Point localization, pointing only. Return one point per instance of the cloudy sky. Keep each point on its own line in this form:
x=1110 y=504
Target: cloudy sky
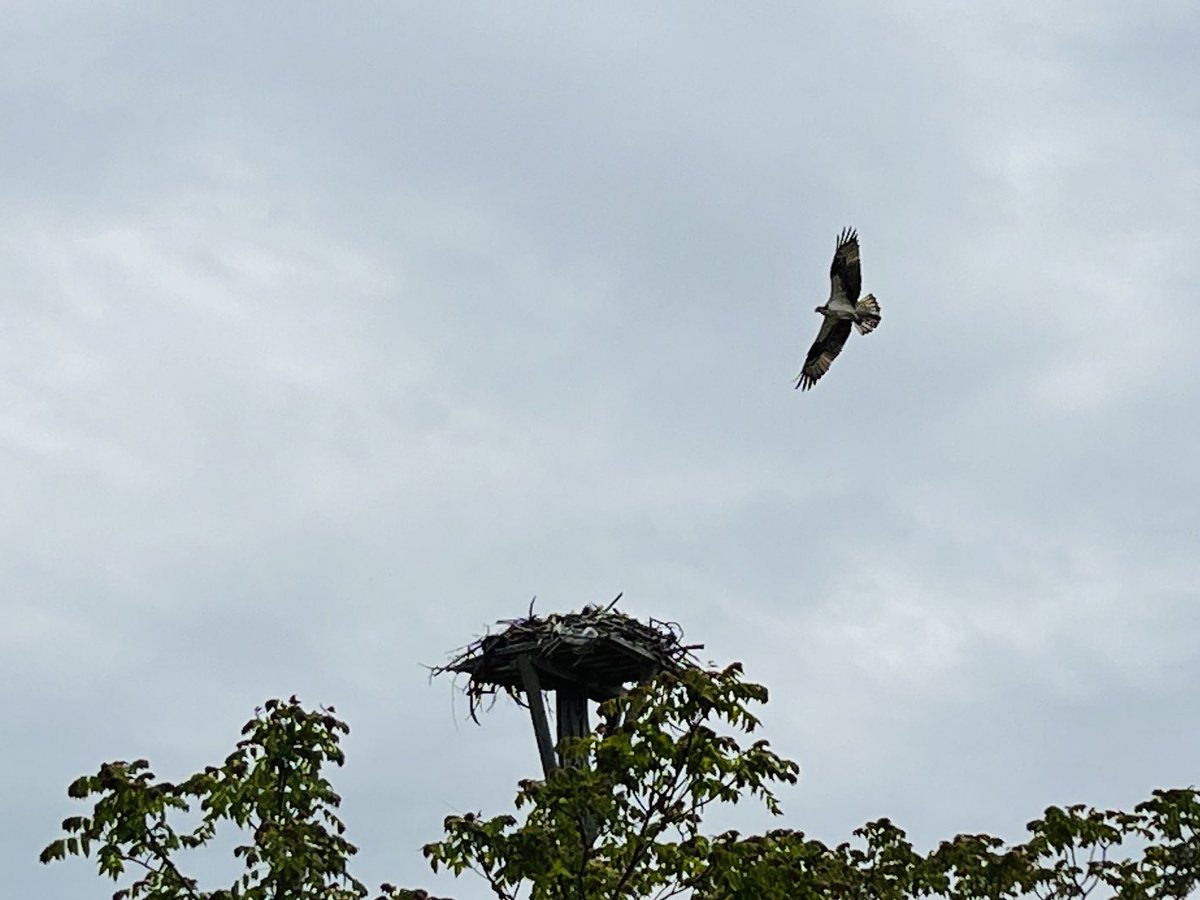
x=333 y=333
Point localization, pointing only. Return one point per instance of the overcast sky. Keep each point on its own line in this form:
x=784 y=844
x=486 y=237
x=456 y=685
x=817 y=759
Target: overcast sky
x=333 y=333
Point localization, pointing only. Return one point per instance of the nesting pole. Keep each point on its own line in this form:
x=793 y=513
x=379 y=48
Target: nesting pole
x=588 y=656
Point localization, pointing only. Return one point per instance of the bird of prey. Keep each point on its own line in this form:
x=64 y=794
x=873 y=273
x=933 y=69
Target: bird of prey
x=841 y=310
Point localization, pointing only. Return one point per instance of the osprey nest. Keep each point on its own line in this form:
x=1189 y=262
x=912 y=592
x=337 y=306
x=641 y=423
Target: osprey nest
x=594 y=652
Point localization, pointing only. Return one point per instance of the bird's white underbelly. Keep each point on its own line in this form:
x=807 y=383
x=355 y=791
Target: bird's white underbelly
x=838 y=312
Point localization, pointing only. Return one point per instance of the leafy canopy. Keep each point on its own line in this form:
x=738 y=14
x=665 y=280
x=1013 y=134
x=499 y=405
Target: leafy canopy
x=622 y=820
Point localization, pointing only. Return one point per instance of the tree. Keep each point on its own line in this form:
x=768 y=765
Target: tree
x=624 y=821
x=272 y=786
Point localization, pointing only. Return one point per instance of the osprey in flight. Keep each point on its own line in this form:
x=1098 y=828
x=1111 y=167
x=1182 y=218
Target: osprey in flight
x=841 y=310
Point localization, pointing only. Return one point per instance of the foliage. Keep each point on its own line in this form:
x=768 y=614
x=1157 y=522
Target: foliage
x=622 y=821
x=625 y=821
x=271 y=786
x=1066 y=856
x=627 y=825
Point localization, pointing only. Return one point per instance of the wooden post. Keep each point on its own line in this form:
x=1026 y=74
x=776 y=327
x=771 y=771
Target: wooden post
x=537 y=712
x=571 y=711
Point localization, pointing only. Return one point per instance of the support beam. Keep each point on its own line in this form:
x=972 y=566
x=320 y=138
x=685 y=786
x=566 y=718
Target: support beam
x=537 y=712
x=571 y=711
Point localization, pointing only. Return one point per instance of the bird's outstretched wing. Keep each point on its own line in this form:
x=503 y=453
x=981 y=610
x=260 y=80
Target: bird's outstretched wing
x=845 y=276
x=830 y=340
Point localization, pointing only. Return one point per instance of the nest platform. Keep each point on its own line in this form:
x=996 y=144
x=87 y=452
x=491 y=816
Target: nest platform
x=592 y=653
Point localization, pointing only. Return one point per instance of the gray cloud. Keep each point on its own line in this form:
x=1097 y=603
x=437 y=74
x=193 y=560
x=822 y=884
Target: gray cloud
x=331 y=338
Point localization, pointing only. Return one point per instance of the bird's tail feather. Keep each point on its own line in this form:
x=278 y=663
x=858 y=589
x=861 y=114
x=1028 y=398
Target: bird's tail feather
x=866 y=314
